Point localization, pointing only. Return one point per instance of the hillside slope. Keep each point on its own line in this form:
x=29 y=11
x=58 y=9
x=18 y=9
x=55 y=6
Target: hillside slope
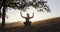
x=49 y=25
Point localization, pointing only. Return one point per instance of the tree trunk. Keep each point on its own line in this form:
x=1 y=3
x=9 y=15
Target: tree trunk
x=3 y=15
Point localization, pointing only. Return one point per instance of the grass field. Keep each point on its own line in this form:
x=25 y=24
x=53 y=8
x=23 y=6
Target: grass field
x=49 y=25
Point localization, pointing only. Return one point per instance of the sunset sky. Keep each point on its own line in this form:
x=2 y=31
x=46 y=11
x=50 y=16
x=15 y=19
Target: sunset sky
x=54 y=5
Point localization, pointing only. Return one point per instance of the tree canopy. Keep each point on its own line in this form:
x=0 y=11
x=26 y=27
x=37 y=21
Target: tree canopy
x=21 y=4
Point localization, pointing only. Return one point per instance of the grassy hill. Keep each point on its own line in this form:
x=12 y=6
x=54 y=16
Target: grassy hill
x=52 y=21
x=15 y=24
x=49 y=25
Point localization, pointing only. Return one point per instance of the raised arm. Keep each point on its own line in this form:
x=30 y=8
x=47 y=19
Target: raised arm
x=21 y=15
x=32 y=15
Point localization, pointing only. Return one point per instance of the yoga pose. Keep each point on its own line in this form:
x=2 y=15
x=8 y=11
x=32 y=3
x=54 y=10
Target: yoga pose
x=27 y=18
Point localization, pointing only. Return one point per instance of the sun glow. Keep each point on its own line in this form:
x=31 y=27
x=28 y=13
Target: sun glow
x=30 y=10
x=37 y=15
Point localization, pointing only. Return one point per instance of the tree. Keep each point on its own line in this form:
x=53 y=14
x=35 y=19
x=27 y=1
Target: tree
x=20 y=4
x=3 y=4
